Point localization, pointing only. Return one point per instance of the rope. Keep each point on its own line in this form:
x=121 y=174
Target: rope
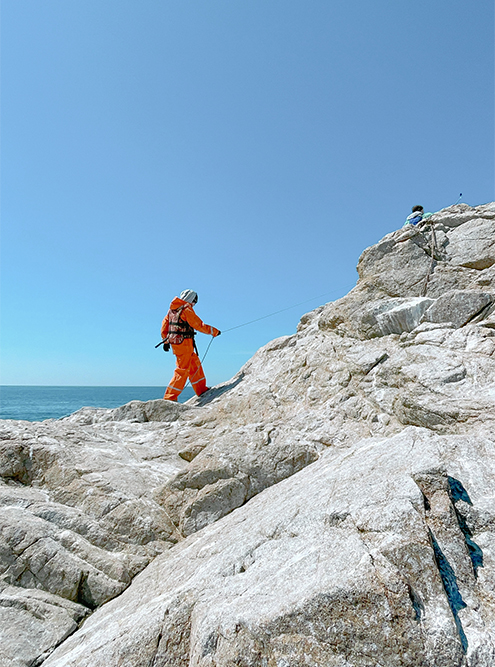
x=283 y=310
x=265 y=316
x=433 y=249
x=258 y=319
x=262 y=318
x=204 y=355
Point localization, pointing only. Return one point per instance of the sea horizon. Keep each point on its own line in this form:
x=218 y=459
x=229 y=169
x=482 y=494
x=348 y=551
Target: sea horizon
x=41 y=402
x=80 y=385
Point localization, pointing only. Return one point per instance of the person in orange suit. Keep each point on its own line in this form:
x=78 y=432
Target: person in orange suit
x=178 y=329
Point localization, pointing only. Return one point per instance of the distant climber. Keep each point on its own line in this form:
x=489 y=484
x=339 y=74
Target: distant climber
x=418 y=215
x=178 y=330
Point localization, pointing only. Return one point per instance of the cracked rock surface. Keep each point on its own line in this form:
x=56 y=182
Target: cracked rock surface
x=371 y=555
x=333 y=504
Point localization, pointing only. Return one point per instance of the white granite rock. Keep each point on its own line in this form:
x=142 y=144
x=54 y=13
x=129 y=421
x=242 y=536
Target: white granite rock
x=332 y=504
x=459 y=307
x=32 y=622
x=404 y=317
x=379 y=554
x=473 y=244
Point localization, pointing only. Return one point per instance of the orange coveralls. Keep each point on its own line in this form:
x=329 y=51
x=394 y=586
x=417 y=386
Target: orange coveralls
x=188 y=365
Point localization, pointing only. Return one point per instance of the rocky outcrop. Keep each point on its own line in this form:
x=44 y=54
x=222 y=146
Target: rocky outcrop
x=375 y=554
x=330 y=505
x=455 y=252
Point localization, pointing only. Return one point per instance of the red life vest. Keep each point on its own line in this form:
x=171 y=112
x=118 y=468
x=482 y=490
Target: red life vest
x=177 y=328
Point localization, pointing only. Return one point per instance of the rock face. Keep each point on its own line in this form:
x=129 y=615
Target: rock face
x=333 y=504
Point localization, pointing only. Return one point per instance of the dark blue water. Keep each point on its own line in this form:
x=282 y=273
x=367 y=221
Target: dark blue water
x=38 y=403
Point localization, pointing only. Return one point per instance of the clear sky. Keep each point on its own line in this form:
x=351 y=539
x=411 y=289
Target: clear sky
x=246 y=149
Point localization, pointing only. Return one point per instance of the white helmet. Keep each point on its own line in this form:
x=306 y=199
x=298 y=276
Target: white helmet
x=189 y=295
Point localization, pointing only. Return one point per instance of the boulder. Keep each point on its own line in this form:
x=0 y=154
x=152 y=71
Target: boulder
x=460 y=214
x=403 y=317
x=32 y=622
x=473 y=244
x=458 y=307
x=396 y=266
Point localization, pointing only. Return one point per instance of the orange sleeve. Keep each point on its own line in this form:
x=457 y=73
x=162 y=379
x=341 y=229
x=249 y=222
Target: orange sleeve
x=191 y=318
x=165 y=327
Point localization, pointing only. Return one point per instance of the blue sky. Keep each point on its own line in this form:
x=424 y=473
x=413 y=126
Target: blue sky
x=246 y=149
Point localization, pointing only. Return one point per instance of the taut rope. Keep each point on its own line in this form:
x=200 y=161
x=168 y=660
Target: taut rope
x=433 y=250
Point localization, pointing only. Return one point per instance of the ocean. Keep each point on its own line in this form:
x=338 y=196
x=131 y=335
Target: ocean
x=39 y=403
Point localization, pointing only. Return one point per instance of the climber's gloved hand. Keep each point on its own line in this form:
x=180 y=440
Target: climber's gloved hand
x=216 y=332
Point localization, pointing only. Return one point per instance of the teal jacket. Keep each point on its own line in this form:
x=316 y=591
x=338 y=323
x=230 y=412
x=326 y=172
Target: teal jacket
x=416 y=217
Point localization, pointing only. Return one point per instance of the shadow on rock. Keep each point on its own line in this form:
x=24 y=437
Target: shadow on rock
x=215 y=392
x=451 y=587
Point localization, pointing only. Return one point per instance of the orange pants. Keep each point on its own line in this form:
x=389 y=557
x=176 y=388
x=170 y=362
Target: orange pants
x=188 y=366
